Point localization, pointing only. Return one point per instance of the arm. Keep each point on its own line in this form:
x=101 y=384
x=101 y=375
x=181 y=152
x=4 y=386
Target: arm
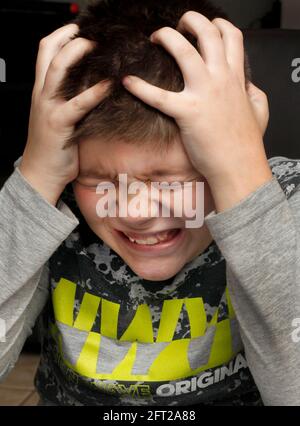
x=260 y=241
x=31 y=229
x=222 y=119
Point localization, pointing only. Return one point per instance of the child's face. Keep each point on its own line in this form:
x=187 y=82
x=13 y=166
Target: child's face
x=102 y=161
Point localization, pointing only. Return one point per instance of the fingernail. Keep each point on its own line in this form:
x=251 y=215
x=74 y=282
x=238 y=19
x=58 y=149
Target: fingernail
x=127 y=80
x=152 y=37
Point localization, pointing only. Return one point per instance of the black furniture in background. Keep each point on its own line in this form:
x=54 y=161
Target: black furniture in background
x=271 y=54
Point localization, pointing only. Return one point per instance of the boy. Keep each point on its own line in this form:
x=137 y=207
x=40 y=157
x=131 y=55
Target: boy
x=144 y=311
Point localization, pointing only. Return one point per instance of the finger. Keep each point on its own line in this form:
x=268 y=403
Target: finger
x=234 y=46
x=49 y=47
x=68 y=55
x=187 y=57
x=208 y=38
x=167 y=102
x=76 y=108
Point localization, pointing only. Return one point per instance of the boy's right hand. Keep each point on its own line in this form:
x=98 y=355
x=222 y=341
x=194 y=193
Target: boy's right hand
x=45 y=164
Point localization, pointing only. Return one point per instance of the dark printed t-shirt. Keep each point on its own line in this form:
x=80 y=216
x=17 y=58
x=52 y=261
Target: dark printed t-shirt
x=112 y=338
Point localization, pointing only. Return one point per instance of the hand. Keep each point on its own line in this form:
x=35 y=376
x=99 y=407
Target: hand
x=46 y=165
x=221 y=121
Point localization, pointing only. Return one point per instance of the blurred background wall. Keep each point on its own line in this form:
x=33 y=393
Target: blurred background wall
x=247 y=13
x=290 y=14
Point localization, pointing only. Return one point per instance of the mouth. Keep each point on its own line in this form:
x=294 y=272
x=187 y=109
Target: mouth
x=162 y=242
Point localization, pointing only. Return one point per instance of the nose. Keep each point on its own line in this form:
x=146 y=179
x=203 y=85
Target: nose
x=141 y=207
x=136 y=223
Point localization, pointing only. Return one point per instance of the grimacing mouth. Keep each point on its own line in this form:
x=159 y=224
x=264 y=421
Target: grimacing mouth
x=151 y=238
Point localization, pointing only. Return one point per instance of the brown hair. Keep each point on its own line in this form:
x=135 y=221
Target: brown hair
x=121 y=30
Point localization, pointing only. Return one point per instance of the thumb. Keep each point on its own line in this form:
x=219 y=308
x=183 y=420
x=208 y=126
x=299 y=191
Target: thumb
x=260 y=105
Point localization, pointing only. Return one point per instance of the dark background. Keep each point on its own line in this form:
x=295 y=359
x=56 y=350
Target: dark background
x=22 y=25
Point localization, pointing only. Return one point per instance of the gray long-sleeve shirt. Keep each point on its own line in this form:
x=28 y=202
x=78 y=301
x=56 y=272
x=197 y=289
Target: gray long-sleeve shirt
x=258 y=238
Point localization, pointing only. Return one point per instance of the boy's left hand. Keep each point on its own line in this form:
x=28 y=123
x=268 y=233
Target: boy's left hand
x=221 y=119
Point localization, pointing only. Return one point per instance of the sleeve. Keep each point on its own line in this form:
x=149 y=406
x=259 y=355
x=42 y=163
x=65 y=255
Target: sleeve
x=260 y=241
x=31 y=229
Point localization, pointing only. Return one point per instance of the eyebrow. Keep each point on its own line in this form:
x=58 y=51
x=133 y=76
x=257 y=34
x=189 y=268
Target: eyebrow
x=92 y=173
x=158 y=172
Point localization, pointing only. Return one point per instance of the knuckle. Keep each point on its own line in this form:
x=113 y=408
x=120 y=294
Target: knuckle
x=162 y=31
x=237 y=33
x=187 y=15
x=212 y=31
x=72 y=26
x=77 y=104
x=82 y=42
x=217 y=21
x=43 y=42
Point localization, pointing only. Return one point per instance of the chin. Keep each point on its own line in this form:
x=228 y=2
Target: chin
x=154 y=273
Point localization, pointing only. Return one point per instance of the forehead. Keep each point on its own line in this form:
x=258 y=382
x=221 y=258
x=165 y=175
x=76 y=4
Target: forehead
x=99 y=157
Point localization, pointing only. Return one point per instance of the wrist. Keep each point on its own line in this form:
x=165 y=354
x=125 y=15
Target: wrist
x=45 y=186
x=229 y=189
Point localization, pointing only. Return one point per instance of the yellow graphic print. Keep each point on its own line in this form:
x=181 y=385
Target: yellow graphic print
x=172 y=359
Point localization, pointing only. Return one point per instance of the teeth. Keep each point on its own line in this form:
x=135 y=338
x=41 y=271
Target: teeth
x=151 y=240
x=148 y=241
x=163 y=236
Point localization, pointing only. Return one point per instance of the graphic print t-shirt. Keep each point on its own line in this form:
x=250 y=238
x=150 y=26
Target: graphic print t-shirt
x=112 y=338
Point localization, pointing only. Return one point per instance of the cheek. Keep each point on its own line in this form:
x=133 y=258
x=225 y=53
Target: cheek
x=207 y=199
x=209 y=204
x=86 y=200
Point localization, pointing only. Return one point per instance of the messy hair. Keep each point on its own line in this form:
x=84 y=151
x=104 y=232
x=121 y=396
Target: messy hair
x=121 y=30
